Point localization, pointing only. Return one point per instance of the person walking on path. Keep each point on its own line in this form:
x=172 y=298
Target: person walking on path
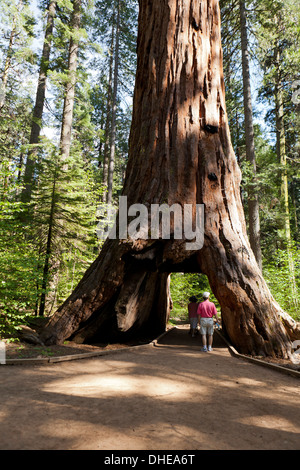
x=206 y=311
x=193 y=316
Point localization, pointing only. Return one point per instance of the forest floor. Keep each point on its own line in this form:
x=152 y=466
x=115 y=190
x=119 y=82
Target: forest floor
x=25 y=350
x=168 y=395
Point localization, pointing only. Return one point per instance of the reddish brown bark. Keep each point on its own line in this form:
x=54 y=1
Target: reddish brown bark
x=180 y=152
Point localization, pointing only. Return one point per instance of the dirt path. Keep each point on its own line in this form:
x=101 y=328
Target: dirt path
x=170 y=396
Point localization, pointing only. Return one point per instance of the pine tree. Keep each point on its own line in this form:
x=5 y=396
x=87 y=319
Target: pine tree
x=39 y=105
x=278 y=41
x=64 y=223
x=253 y=205
x=115 y=24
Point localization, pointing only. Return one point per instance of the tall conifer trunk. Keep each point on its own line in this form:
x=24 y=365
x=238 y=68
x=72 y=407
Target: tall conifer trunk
x=46 y=268
x=9 y=53
x=65 y=139
x=67 y=117
x=179 y=152
x=108 y=116
x=111 y=161
x=39 y=105
x=281 y=157
x=253 y=205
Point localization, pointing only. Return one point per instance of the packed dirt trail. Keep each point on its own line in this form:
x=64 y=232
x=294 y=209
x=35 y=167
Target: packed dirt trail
x=167 y=396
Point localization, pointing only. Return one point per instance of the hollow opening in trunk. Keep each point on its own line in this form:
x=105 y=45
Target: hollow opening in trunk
x=151 y=296
x=130 y=295
x=183 y=286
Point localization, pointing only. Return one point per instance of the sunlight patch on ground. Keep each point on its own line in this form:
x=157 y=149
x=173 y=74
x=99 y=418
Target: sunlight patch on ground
x=121 y=385
x=3 y=416
x=270 y=422
x=251 y=382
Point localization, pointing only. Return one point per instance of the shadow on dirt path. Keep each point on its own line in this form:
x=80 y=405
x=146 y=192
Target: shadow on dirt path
x=170 y=396
x=180 y=337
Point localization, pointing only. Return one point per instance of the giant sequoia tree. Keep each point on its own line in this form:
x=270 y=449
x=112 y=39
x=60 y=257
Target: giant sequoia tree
x=180 y=152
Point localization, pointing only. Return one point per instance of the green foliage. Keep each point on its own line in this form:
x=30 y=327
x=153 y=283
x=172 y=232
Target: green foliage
x=185 y=285
x=273 y=29
x=233 y=73
x=19 y=270
x=65 y=202
x=277 y=274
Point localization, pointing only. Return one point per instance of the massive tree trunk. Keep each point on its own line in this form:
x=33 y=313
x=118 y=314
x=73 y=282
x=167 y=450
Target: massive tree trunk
x=180 y=152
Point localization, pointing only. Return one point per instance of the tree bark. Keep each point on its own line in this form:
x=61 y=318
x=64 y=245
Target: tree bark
x=179 y=152
x=39 y=105
x=253 y=205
